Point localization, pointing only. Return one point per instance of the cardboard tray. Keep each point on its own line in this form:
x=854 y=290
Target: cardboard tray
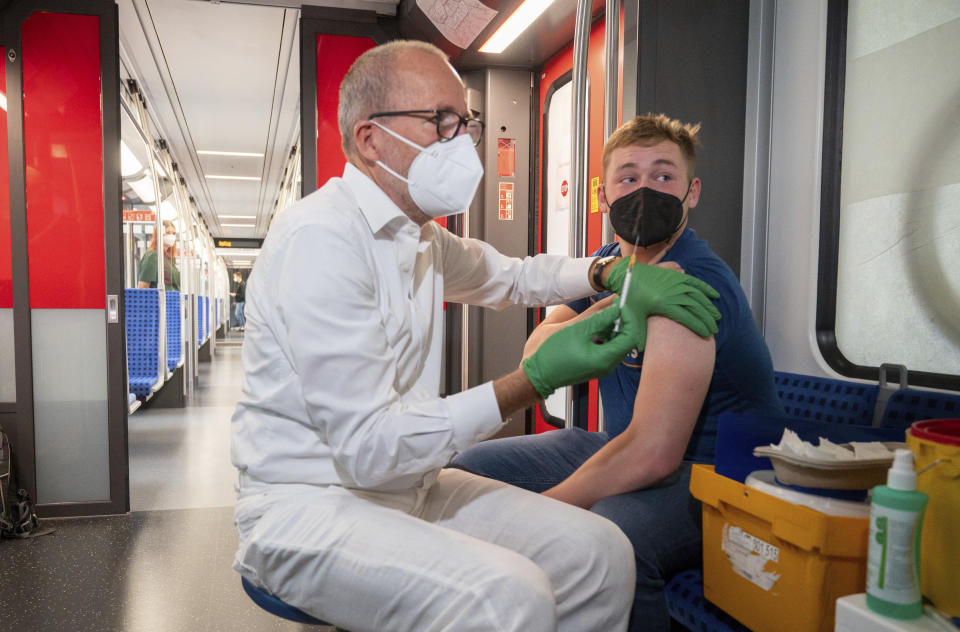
x=829 y=474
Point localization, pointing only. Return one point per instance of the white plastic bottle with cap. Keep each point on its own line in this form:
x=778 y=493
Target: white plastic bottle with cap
x=893 y=552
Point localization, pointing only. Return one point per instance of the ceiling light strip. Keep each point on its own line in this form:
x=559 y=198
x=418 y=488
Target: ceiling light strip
x=247 y=154
x=250 y=178
x=514 y=25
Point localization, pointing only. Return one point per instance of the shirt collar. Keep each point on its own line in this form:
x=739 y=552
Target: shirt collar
x=378 y=209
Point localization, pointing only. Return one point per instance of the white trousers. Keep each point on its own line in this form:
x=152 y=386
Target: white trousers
x=468 y=554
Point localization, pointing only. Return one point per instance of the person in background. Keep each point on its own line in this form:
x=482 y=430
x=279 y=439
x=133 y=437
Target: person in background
x=660 y=404
x=340 y=436
x=148 y=263
x=240 y=296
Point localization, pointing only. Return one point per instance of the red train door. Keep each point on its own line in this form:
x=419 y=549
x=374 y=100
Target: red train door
x=580 y=404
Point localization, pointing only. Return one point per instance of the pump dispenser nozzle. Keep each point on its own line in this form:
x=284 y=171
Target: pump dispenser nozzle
x=901 y=474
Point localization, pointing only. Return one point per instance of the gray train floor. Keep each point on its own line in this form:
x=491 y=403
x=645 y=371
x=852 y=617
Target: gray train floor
x=166 y=565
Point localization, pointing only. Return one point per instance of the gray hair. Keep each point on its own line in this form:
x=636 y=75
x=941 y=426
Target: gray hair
x=367 y=86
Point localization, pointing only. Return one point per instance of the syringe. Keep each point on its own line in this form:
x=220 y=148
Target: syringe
x=626 y=277
x=626 y=288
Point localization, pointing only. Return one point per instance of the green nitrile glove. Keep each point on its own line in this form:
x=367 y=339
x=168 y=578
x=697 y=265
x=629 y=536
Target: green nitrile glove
x=570 y=355
x=656 y=290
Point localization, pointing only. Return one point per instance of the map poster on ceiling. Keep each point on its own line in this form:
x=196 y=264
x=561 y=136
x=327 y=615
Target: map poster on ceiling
x=460 y=21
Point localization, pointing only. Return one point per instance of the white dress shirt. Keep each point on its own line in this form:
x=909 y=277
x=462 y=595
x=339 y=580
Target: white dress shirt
x=343 y=341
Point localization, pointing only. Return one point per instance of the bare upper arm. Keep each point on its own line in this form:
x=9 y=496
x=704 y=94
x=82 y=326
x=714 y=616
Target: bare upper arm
x=677 y=369
x=557 y=315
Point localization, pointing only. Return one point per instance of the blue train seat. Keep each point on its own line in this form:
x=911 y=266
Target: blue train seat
x=142 y=320
x=199 y=320
x=173 y=330
x=909 y=405
x=686 y=604
x=277 y=606
x=826 y=399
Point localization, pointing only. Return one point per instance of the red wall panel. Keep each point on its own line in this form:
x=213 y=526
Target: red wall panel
x=6 y=248
x=335 y=54
x=63 y=151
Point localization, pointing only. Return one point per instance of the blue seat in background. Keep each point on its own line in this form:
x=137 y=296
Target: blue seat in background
x=173 y=330
x=142 y=320
x=200 y=321
x=686 y=604
x=203 y=318
x=276 y=606
x=909 y=405
x=826 y=399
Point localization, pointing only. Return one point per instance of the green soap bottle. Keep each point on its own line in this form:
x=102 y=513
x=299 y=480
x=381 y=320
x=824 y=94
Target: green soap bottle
x=893 y=552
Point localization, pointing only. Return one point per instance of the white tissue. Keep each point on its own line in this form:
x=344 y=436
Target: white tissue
x=791 y=443
x=829 y=450
x=871 y=450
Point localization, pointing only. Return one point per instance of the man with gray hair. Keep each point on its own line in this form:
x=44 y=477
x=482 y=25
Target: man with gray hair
x=343 y=509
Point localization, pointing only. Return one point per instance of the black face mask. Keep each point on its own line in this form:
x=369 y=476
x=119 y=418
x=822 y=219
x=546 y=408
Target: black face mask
x=646 y=216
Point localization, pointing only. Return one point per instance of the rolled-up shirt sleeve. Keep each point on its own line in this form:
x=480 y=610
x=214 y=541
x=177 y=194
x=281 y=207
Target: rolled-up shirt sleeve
x=347 y=370
x=475 y=272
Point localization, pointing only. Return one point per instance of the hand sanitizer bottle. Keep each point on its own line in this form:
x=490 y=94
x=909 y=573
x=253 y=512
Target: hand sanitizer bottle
x=893 y=553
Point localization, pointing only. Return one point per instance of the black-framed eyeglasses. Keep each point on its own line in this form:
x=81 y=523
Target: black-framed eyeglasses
x=449 y=123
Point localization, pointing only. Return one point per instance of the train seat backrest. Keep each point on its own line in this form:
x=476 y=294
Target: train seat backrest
x=825 y=399
x=142 y=319
x=908 y=405
x=173 y=329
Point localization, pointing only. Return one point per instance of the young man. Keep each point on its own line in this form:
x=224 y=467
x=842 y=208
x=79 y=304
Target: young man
x=660 y=405
x=341 y=434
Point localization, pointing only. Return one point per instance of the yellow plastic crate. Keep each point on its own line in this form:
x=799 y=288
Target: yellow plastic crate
x=774 y=565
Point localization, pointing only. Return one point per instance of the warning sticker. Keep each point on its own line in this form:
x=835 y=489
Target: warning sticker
x=506 y=200
x=561 y=175
x=506 y=158
x=594 y=201
x=749 y=555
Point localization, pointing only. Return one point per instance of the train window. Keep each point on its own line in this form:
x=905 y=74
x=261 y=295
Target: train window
x=555 y=217
x=889 y=288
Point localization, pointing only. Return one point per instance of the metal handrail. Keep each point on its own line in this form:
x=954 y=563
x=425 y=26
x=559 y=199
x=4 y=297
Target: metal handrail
x=578 y=140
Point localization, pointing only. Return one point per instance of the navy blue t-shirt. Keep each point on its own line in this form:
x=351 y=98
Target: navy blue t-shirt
x=742 y=373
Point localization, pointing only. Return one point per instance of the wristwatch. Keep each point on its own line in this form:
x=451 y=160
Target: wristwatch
x=596 y=278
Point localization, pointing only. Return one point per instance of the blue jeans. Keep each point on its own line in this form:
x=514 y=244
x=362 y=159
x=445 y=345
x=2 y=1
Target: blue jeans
x=662 y=522
x=241 y=321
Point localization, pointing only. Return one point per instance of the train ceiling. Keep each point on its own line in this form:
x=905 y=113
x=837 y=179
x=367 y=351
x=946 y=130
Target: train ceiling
x=223 y=76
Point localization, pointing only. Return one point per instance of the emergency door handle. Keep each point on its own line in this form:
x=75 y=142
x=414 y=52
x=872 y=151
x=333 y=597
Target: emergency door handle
x=113 y=308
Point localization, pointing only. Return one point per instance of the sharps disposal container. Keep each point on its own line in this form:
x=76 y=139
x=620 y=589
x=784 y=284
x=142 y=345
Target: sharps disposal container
x=936 y=449
x=773 y=564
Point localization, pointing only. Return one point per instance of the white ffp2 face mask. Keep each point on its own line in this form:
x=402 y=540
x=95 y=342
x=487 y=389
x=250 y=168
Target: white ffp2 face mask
x=169 y=239
x=443 y=178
